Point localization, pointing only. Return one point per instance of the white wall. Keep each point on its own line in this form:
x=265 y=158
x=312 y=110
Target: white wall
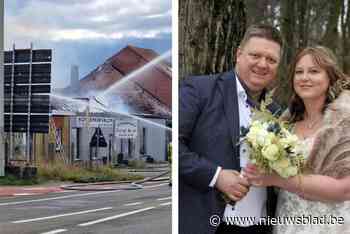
x=155 y=139
x=85 y=135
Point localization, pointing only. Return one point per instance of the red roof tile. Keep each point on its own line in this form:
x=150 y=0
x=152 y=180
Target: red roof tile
x=156 y=80
x=148 y=93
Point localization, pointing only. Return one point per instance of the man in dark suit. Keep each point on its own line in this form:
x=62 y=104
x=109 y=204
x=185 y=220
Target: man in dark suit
x=212 y=110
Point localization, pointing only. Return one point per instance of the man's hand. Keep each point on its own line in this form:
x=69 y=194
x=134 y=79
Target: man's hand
x=232 y=184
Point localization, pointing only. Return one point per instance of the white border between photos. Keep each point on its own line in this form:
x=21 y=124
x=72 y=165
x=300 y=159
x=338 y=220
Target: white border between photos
x=175 y=115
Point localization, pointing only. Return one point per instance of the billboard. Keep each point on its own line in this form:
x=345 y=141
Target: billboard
x=27 y=85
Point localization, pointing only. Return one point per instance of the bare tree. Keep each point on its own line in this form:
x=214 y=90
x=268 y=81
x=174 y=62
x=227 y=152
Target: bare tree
x=345 y=34
x=303 y=22
x=209 y=33
x=331 y=36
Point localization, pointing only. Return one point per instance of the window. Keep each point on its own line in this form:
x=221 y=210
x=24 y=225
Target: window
x=143 y=148
x=75 y=144
x=58 y=139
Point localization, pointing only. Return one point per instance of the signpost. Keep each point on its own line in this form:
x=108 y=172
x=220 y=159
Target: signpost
x=27 y=87
x=2 y=141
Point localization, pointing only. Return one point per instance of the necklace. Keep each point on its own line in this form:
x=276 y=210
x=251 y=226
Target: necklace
x=312 y=124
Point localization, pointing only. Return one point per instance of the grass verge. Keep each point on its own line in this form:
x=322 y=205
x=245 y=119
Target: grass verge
x=61 y=172
x=73 y=173
x=12 y=180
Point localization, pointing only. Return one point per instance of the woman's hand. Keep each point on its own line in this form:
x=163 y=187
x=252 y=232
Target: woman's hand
x=260 y=179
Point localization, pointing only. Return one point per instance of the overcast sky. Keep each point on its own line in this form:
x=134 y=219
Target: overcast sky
x=86 y=32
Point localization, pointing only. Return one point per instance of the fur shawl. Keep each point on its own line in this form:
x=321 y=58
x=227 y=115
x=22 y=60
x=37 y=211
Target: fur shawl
x=330 y=153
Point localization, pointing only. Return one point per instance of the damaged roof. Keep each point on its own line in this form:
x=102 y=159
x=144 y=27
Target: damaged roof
x=146 y=94
x=156 y=80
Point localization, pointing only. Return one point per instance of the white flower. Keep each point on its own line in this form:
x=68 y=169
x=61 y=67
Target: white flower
x=270 y=139
x=256 y=133
x=290 y=140
x=290 y=171
x=280 y=151
x=261 y=138
x=284 y=168
x=300 y=149
x=270 y=152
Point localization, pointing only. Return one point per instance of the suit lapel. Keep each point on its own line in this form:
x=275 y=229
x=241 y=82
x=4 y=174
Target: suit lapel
x=227 y=84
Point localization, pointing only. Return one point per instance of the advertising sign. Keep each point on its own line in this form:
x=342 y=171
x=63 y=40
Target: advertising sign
x=93 y=122
x=126 y=128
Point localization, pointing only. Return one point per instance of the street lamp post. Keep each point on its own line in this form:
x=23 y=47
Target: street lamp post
x=2 y=142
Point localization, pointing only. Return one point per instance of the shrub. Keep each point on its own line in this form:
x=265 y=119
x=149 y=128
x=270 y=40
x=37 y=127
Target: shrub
x=137 y=164
x=12 y=180
x=62 y=172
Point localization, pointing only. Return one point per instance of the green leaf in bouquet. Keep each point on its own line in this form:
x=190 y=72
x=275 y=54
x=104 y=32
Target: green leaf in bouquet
x=274 y=127
x=243 y=131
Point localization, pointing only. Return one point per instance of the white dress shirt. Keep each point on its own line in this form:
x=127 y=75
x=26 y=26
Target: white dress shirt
x=254 y=203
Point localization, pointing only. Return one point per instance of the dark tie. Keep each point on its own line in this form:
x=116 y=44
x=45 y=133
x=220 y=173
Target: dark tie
x=251 y=102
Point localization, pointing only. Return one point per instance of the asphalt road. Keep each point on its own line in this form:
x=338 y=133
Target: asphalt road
x=146 y=210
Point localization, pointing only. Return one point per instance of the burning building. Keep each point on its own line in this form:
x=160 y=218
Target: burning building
x=103 y=120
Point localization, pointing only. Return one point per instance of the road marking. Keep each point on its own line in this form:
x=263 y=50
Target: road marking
x=72 y=196
x=164 y=198
x=154 y=186
x=65 y=191
x=133 y=204
x=23 y=194
x=61 y=215
x=115 y=216
x=161 y=178
x=39 y=188
x=165 y=204
x=55 y=231
x=55 y=198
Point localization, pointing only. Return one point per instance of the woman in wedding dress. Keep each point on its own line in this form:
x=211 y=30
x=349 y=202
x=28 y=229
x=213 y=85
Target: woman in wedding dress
x=318 y=201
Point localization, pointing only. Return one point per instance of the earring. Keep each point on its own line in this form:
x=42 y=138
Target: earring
x=331 y=94
x=334 y=90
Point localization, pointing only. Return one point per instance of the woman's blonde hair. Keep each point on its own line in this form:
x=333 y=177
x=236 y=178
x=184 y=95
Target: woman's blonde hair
x=338 y=80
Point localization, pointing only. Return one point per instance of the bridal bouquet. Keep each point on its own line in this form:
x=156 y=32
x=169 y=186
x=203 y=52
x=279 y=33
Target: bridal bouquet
x=272 y=146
